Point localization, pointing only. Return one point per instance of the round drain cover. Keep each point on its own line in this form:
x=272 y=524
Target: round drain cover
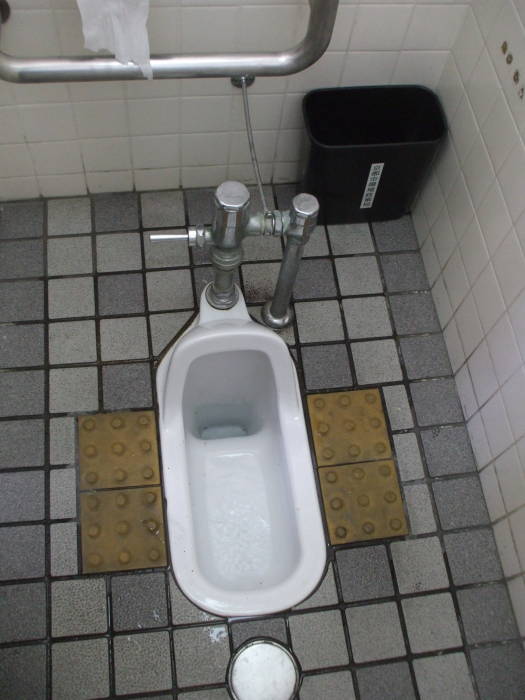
x=263 y=670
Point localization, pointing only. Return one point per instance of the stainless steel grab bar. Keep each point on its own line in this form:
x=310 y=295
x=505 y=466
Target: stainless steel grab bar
x=82 y=68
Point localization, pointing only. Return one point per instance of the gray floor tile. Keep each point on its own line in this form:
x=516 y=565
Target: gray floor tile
x=414 y=313
x=22 y=393
x=398 y=408
x=358 y=276
x=169 y=290
x=366 y=317
x=256 y=205
x=326 y=367
x=62 y=493
x=120 y=294
x=259 y=281
x=350 y=239
x=23 y=672
x=274 y=628
x=448 y=450
x=262 y=248
x=318 y=639
x=431 y=622
x=317 y=246
x=164 y=327
x=71 y=297
x=118 y=252
x=78 y=607
x=123 y=339
x=116 y=212
x=21 y=301
x=69 y=256
x=325 y=595
x=425 y=356
x=487 y=614
x=392 y=681
x=285 y=193
x=162 y=209
x=500 y=671
x=138 y=601
x=182 y=609
x=166 y=253
x=460 y=502
x=204 y=275
x=364 y=573
x=436 y=401
x=73 y=390
x=22 y=443
x=200 y=205
x=445 y=676
x=419 y=565
x=375 y=632
x=126 y=386
x=376 y=361
x=419 y=506
x=472 y=556
x=64 y=555
x=201 y=655
x=404 y=272
x=22 y=552
x=395 y=235
x=23 y=612
x=80 y=669
x=408 y=457
x=21 y=259
x=68 y=216
x=22 y=219
x=319 y=321
x=72 y=342
x=315 y=279
x=62 y=440
x=22 y=496
x=328 y=686
x=21 y=346
x=208 y=694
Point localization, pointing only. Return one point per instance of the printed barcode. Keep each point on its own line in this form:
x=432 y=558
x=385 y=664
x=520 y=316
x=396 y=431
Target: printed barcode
x=372 y=184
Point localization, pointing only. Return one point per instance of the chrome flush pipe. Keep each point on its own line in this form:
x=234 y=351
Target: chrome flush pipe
x=224 y=65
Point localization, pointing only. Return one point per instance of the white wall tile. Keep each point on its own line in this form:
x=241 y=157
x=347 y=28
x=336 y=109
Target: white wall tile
x=479 y=442
x=468 y=46
x=478 y=171
x=466 y=393
x=369 y=68
x=513 y=392
x=517 y=526
x=517 y=595
x=443 y=236
x=503 y=349
x=512 y=181
x=56 y=157
x=434 y=27
x=430 y=260
x=204 y=149
x=469 y=325
x=70 y=185
x=109 y=182
x=157 y=179
x=15 y=161
x=464 y=128
x=101 y=118
x=483 y=87
x=106 y=154
x=442 y=301
x=447 y=166
x=496 y=425
x=511 y=479
x=492 y=493
x=455 y=279
x=380 y=27
x=148 y=117
x=488 y=298
x=499 y=132
x=506 y=548
x=48 y=122
x=420 y=68
x=482 y=373
x=473 y=251
x=155 y=151
x=494 y=217
x=459 y=206
x=454 y=346
x=509 y=266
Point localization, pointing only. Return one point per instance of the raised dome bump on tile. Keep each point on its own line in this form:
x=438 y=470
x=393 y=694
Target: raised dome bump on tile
x=120 y=475
x=370 y=398
x=94 y=559
x=384 y=470
x=151 y=525
x=368 y=528
x=118 y=448
x=349 y=425
x=154 y=554
x=390 y=497
x=344 y=401
x=323 y=428
x=93 y=502
x=363 y=500
x=375 y=423
x=319 y=403
x=117 y=422
x=143 y=421
x=89 y=424
x=354 y=450
x=93 y=531
x=122 y=527
x=341 y=532
x=380 y=447
x=147 y=473
x=328 y=453
x=336 y=503
x=149 y=498
x=124 y=557
x=358 y=473
x=90 y=451
x=92 y=477
x=331 y=477
x=121 y=500
x=145 y=445
x=395 y=524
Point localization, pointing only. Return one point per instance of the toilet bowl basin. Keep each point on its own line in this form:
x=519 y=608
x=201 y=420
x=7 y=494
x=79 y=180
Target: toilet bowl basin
x=245 y=529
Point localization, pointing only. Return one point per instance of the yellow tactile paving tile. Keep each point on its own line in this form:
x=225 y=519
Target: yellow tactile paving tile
x=348 y=426
x=122 y=529
x=117 y=450
x=362 y=502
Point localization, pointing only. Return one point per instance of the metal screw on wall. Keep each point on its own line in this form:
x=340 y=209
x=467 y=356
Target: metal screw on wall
x=509 y=58
x=516 y=76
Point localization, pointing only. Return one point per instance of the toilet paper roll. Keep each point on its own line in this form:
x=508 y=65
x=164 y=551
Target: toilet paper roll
x=120 y=27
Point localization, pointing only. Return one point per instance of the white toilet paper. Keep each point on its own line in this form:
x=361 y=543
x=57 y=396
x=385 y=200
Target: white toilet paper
x=120 y=27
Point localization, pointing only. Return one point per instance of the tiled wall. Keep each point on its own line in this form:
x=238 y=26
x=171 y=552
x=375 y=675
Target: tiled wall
x=59 y=140
x=471 y=225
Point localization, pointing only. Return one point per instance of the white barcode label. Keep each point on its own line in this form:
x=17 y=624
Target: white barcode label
x=371 y=185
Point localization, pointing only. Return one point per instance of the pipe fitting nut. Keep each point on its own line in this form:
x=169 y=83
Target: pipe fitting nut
x=226 y=259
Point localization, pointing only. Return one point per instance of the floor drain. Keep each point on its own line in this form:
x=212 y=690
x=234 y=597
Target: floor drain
x=263 y=669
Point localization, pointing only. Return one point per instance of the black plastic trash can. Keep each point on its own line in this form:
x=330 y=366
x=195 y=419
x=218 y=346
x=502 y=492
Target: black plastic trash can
x=370 y=148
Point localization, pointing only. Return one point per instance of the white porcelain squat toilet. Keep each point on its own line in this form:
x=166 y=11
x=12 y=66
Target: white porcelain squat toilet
x=245 y=528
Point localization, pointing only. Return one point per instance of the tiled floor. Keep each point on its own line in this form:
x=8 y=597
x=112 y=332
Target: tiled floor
x=94 y=304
